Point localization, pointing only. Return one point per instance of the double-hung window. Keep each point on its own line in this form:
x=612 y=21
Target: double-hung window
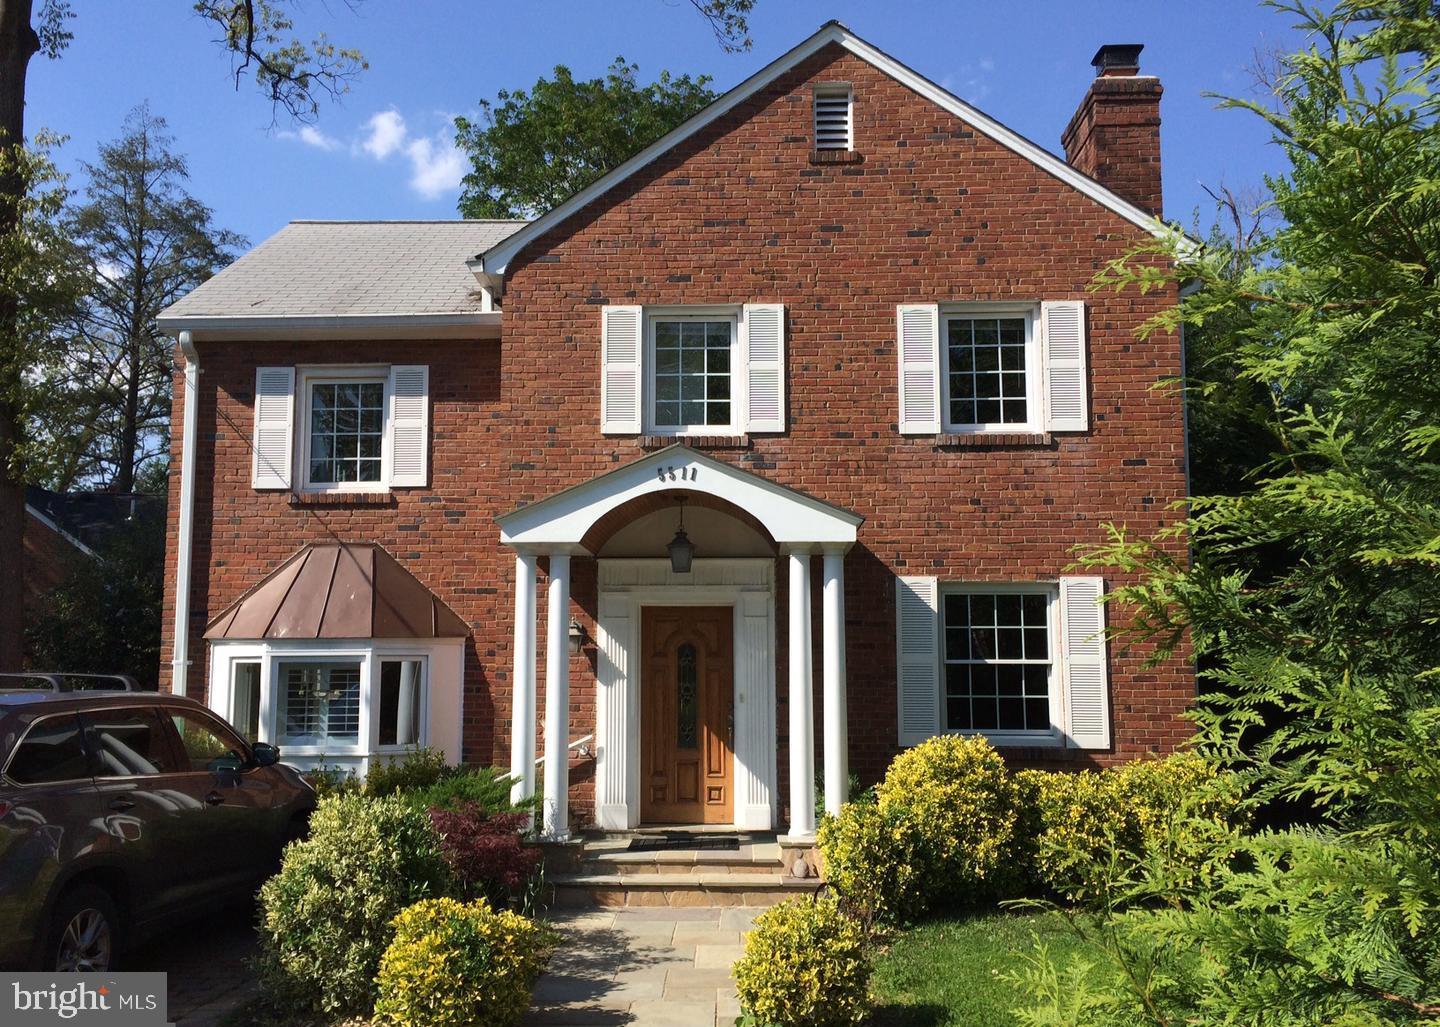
x=998 y=649
x=343 y=431
x=991 y=370
x=692 y=382
x=1024 y=663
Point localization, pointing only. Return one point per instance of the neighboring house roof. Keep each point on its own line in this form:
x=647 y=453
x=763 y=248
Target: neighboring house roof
x=330 y=273
x=84 y=518
x=495 y=259
x=338 y=590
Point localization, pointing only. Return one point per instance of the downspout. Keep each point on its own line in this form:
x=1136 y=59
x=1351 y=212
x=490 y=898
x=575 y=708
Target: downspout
x=180 y=643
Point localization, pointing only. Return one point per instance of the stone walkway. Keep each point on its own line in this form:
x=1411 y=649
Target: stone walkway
x=643 y=967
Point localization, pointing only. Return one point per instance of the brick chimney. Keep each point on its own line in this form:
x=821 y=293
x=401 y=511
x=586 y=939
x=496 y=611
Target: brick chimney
x=1114 y=136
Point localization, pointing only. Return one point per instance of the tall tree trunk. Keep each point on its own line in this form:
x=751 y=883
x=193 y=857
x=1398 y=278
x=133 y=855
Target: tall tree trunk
x=129 y=424
x=18 y=43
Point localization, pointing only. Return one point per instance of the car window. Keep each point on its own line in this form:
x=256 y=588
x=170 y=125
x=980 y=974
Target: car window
x=128 y=743
x=52 y=751
x=203 y=741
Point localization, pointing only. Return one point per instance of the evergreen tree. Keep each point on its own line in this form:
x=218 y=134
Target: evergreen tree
x=1314 y=593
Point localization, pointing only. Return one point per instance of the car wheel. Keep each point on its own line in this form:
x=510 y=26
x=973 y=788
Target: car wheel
x=84 y=932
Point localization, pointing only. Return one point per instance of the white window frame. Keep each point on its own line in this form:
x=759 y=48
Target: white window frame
x=270 y=655
x=232 y=714
x=735 y=315
x=1034 y=366
x=308 y=377
x=423 y=711
x=325 y=746
x=1055 y=735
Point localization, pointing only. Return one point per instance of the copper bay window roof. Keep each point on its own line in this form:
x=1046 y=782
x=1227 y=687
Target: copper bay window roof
x=338 y=590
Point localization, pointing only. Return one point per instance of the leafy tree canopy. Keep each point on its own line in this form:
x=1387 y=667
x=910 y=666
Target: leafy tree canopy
x=530 y=151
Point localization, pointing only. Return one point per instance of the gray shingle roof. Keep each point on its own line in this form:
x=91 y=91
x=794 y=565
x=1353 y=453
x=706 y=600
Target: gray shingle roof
x=349 y=268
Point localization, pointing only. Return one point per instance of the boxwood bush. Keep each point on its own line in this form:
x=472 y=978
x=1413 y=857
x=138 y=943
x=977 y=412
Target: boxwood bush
x=1097 y=828
x=457 y=964
x=967 y=813
x=326 y=916
x=871 y=861
x=804 y=966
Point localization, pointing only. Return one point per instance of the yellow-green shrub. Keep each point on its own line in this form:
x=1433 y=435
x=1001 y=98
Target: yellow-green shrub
x=459 y=964
x=871 y=862
x=804 y=966
x=1098 y=828
x=325 y=917
x=966 y=810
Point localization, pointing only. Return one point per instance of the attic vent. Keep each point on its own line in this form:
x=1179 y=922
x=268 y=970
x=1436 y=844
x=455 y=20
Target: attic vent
x=833 y=118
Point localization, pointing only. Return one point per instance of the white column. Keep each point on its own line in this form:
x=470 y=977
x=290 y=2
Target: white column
x=837 y=735
x=522 y=710
x=557 y=701
x=802 y=714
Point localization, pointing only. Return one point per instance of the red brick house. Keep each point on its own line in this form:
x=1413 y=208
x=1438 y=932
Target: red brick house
x=763 y=456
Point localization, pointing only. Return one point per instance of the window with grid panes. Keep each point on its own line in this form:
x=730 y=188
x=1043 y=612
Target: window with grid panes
x=998 y=660
x=347 y=432
x=692 y=379
x=987 y=372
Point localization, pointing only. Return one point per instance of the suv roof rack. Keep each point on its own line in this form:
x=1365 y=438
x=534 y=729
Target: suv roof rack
x=61 y=681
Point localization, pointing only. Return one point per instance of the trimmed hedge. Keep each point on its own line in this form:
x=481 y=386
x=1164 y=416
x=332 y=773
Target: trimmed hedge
x=804 y=966
x=458 y=964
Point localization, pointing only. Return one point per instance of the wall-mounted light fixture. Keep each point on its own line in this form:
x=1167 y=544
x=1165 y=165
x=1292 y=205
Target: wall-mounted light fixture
x=577 y=636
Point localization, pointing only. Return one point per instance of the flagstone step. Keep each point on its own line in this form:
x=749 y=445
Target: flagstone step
x=617 y=890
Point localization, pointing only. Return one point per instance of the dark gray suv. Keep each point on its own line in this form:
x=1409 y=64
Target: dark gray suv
x=124 y=811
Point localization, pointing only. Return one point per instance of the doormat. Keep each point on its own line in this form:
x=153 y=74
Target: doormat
x=685 y=840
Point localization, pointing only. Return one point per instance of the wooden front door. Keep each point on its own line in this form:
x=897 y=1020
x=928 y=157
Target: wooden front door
x=687 y=689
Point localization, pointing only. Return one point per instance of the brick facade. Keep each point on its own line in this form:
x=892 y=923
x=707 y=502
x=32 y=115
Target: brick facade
x=929 y=210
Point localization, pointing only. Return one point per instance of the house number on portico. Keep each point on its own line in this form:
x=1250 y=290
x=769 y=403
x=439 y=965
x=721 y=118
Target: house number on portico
x=673 y=473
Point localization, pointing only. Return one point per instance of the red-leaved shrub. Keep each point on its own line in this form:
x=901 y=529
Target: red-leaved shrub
x=484 y=852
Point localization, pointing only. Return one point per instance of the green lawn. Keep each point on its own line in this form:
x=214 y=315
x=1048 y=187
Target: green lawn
x=950 y=972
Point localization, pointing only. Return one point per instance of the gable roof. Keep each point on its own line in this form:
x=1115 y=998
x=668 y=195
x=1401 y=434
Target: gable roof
x=496 y=259
x=338 y=590
x=346 y=272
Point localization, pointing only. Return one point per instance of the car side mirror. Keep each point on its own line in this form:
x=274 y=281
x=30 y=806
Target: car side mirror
x=266 y=755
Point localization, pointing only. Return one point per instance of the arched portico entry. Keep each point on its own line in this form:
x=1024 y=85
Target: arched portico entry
x=722 y=609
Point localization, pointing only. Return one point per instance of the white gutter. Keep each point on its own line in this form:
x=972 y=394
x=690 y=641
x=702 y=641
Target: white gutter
x=180 y=643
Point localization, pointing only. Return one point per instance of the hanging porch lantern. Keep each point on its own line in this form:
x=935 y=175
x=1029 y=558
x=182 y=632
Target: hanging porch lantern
x=681 y=549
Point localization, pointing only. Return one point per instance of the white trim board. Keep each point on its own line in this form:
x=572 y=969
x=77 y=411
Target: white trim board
x=496 y=260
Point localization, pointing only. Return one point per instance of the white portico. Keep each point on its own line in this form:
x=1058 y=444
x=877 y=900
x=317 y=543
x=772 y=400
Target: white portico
x=685 y=658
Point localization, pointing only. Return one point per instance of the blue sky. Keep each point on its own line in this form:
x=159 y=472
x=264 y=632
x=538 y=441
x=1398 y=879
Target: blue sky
x=386 y=150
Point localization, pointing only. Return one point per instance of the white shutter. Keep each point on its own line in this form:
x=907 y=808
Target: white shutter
x=764 y=363
x=1082 y=660
x=917 y=620
x=918 y=329
x=274 y=427
x=409 y=426
x=1066 y=404
x=621 y=347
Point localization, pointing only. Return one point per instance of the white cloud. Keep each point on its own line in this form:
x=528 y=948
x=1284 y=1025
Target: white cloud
x=312 y=136
x=436 y=166
x=387 y=132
